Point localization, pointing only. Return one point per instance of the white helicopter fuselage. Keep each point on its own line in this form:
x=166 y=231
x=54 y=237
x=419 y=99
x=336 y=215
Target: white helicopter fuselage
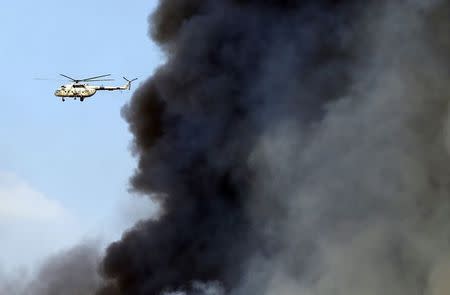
x=74 y=90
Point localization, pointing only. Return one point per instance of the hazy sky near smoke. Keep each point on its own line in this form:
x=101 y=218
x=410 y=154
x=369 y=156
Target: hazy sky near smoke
x=64 y=167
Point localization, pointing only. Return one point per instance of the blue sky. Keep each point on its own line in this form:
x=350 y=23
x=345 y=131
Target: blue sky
x=64 y=167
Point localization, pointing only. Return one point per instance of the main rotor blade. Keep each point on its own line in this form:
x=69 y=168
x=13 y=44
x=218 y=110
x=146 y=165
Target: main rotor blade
x=75 y=80
x=87 y=79
x=100 y=80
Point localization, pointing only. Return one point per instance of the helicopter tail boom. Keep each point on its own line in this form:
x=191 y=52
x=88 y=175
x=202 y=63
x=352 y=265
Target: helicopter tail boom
x=127 y=86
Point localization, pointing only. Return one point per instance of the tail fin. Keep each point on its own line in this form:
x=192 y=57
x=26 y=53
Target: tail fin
x=128 y=86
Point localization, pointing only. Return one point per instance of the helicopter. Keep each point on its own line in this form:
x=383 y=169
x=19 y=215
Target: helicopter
x=80 y=90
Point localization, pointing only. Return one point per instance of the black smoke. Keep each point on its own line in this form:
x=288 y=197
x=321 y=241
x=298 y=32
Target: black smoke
x=294 y=147
x=233 y=69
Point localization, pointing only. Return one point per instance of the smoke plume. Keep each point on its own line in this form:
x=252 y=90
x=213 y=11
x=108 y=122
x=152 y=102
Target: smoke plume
x=295 y=147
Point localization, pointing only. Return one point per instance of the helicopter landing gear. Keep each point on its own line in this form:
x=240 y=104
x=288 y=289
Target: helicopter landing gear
x=81 y=98
x=62 y=99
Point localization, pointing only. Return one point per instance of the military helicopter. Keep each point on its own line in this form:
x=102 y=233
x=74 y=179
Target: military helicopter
x=80 y=90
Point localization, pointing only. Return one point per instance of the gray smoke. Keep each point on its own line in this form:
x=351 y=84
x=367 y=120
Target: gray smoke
x=71 y=272
x=367 y=212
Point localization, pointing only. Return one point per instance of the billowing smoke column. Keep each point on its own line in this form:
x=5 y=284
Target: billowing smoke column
x=234 y=68
x=295 y=147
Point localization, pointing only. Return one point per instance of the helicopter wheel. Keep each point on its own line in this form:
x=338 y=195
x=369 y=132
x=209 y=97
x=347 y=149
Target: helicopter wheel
x=62 y=99
x=81 y=98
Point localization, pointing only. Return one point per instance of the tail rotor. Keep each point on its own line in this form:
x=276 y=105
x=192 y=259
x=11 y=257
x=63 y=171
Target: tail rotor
x=129 y=82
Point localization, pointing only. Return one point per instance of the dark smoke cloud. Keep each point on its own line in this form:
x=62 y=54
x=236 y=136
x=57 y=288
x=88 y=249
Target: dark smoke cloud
x=234 y=68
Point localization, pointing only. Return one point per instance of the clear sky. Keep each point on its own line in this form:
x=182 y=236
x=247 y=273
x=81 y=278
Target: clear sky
x=64 y=167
